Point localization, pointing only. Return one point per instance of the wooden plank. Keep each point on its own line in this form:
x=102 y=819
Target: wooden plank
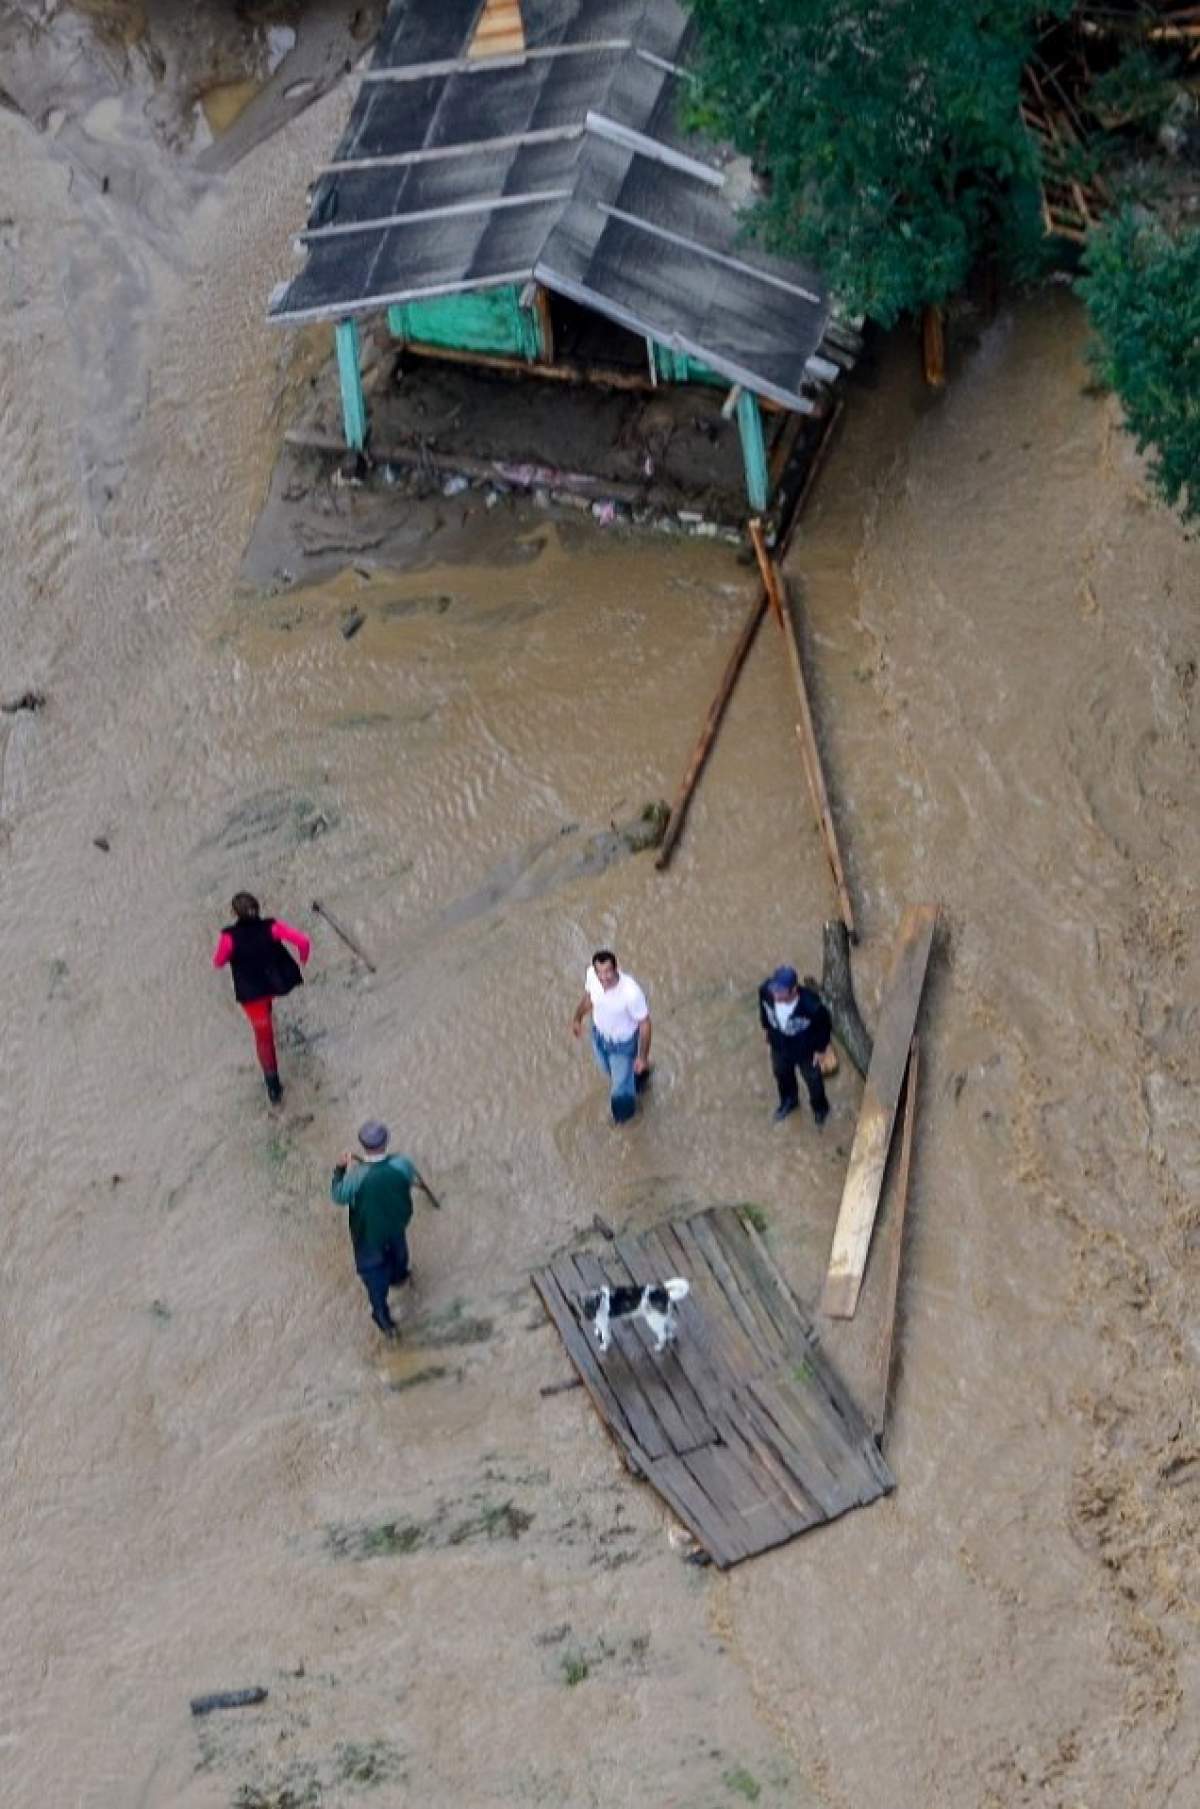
x=744 y=1354
x=763 y=1278
x=733 y=1489
x=885 y=1344
x=805 y=731
x=645 y=1271
x=868 y=1153
x=636 y=1410
x=746 y=1300
x=809 y=1439
x=848 y=1412
x=798 y=1506
x=603 y=1399
x=722 y=1536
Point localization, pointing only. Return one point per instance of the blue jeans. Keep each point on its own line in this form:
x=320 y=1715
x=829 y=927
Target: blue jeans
x=379 y=1270
x=615 y=1060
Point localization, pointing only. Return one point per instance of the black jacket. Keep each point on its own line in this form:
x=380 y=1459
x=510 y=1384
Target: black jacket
x=808 y=1029
x=262 y=967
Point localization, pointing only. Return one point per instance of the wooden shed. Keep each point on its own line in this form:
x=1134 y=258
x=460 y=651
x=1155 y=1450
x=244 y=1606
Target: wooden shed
x=515 y=186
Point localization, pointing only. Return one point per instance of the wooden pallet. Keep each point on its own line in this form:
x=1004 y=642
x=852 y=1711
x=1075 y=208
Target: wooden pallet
x=742 y=1425
x=1070 y=208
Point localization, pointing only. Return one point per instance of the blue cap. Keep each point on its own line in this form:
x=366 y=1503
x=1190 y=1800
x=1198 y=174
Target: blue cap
x=373 y=1135
x=783 y=979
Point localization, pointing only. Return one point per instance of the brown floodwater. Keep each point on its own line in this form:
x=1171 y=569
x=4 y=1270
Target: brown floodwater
x=216 y=1475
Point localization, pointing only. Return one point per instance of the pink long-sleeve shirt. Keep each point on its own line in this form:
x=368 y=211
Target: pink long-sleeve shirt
x=280 y=932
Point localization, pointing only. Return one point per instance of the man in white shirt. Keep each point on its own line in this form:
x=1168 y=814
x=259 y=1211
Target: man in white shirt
x=620 y=1030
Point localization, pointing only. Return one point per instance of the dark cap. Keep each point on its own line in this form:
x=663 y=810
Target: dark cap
x=373 y=1135
x=783 y=979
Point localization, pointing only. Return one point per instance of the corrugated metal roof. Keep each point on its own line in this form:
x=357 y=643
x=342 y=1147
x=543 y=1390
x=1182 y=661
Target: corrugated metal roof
x=568 y=164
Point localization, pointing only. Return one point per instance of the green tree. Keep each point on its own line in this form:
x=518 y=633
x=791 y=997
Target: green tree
x=1142 y=290
x=891 y=130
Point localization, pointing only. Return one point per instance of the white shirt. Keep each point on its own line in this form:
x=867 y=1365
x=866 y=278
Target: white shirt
x=617 y=1012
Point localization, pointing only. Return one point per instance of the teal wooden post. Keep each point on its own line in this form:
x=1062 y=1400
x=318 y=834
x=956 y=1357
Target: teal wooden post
x=754 y=451
x=354 y=408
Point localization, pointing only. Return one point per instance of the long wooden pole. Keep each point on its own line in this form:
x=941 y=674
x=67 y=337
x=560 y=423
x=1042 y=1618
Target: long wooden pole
x=737 y=659
x=345 y=935
x=712 y=722
x=805 y=732
x=884 y=1348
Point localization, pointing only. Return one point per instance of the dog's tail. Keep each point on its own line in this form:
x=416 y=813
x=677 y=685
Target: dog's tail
x=677 y=1288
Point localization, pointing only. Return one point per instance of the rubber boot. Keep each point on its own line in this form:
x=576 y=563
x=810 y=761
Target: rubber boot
x=274 y=1090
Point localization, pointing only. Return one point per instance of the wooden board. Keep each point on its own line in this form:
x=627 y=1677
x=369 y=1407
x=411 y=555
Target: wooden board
x=877 y=1404
x=877 y=1115
x=741 y=1425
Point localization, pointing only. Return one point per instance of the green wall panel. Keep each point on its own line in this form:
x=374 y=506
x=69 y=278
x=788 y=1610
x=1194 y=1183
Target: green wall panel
x=485 y=320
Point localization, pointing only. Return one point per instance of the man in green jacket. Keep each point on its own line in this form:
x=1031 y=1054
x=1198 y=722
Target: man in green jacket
x=378 y=1191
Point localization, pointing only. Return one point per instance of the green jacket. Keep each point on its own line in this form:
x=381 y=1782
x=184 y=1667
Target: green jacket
x=379 y=1195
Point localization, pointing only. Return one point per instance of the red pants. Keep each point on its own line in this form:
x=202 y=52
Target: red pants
x=259 y=1013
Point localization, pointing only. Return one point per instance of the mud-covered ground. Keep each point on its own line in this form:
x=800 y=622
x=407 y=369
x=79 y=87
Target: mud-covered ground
x=216 y=1476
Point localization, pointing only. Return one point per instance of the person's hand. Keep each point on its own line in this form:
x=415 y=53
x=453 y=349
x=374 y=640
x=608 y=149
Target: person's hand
x=576 y=1026
x=640 y=1064
x=345 y=1159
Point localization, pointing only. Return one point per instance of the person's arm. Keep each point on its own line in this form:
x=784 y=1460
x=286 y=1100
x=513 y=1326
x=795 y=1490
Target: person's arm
x=223 y=950
x=283 y=932
x=641 y=1060
x=581 y=1012
x=341 y=1189
x=762 y=1012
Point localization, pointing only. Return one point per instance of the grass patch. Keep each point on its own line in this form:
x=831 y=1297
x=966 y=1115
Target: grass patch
x=453 y=1325
x=743 y=1783
x=575 y=1669
x=495 y=1521
x=756 y=1217
x=366 y=1763
x=387 y=1539
x=803 y=1372
x=302 y=1792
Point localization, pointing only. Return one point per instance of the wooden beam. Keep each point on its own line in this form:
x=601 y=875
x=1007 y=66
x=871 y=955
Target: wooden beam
x=885 y=1342
x=805 y=732
x=712 y=723
x=554 y=373
x=877 y=1115
x=933 y=346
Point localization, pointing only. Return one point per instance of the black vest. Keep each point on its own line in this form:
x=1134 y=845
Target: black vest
x=262 y=967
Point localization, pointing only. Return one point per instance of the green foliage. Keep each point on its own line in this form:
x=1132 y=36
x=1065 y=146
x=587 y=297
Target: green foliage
x=1142 y=290
x=890 y=129
x=1140 y=86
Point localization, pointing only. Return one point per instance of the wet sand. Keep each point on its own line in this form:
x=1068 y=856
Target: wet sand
x=451 y=1589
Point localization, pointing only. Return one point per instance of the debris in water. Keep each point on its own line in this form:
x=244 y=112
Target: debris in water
x=454 y=486
x=352 y=623
x=603 y=1227
x=28 y=700
x=224 y=1699
x=102 y=842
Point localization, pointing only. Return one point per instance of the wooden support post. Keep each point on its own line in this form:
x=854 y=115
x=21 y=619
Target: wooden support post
x=541 y=303
x=712 y=722
x=754 y=452
x=805 y=732
x=876 y=1408
x=396 y=326
x=877 y=1115
x=933 y=346
x=354 y=408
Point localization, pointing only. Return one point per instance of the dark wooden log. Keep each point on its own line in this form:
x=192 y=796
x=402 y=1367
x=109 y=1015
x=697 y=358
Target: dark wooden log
x=712 y=723
x=226 y=1699
x=837 y=990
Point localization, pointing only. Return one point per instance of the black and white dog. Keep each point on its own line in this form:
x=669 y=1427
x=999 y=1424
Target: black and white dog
x=656 y=1305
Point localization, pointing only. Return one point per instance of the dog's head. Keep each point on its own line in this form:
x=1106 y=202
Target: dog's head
x=590 y=1304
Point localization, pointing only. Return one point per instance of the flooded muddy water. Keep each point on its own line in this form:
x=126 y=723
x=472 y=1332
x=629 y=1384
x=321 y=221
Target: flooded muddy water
x=453 y=1592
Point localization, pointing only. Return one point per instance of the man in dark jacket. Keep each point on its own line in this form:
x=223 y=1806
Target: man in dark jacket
x=797 y=1026
x=378 y=1191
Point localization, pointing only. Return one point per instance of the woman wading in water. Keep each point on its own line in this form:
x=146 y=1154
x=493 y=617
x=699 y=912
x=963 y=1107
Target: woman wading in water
x=262 y=972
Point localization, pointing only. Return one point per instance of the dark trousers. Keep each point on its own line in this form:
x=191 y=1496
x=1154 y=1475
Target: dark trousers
x=380 y=1270
x=785 y=1064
